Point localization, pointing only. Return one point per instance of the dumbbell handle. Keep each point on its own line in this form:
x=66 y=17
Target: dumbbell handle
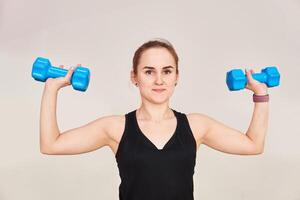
x=261 y=77
x=55 y=72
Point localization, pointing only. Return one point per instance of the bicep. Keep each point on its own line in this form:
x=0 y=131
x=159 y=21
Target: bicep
x=226 y=139
x=86 y=138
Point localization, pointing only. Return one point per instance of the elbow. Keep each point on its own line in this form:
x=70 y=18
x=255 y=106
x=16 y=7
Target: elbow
x=259 y=151
x=45 y=153
x=45 y=150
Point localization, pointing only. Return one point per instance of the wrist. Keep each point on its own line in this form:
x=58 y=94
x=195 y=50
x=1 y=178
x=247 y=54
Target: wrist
x=260 y=93
x=260 y=98
x=51 y=90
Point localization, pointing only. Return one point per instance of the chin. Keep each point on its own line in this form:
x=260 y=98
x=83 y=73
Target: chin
x=159 y=100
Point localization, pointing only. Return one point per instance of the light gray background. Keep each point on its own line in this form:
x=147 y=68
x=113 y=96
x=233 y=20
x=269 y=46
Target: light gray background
x=211 y=37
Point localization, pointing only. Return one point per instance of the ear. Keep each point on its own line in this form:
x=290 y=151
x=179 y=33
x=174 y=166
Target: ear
x=177 y=78
x=132 y=77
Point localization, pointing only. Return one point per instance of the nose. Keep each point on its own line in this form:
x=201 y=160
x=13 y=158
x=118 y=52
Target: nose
x=158 y=79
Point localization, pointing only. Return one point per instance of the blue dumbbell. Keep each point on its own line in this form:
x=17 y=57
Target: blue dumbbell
x=237 y=80
x=42 y=70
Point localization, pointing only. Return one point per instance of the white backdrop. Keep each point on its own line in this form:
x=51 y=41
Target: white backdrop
x=211 y=37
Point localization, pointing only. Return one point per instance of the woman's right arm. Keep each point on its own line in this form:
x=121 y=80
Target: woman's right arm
x=83 y=139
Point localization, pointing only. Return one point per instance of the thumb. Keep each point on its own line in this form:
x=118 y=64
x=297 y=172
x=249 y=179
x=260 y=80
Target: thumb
x=69 y=74
x=249 y=75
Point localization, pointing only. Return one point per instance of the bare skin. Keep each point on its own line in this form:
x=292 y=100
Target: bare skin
x=154 y=116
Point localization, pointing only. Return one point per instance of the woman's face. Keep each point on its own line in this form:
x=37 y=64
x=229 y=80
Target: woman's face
x=156 y=70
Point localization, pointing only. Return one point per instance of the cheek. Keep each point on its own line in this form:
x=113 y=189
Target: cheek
x=146 y=83
x=170 y=81
x=146 y=80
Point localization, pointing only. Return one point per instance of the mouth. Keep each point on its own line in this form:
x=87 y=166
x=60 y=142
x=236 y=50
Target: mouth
x=158 y=90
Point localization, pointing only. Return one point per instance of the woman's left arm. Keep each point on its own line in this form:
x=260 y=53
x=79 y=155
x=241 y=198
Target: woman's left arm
x=229 y=140
x=260 y=118
x=259 y=125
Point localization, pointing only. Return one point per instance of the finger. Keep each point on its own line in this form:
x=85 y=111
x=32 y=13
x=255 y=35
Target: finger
x=252 y=72
x=70 y=70
x=249 y=74
x=77 y=65
x=252 y=80
x=69 y=74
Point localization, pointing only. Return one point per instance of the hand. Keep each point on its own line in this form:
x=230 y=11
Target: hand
x=60 y=82
x=257 y=87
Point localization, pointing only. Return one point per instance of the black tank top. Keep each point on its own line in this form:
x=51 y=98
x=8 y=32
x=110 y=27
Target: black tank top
x=149 y=173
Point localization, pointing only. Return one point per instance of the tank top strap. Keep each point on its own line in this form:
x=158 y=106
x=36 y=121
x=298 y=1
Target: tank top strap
x=130 y=118
x=183 y=120
x=180 y=119
x=185 y=133
x=127 y=134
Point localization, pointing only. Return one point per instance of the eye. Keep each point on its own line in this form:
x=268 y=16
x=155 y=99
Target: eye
x=166 y=71
x=148 y=71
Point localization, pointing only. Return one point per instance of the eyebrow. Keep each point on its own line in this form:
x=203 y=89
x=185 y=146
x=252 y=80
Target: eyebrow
x=149 y=67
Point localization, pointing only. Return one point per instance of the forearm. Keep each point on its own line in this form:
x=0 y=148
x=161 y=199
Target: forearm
x=49 y=130
x=259 y=124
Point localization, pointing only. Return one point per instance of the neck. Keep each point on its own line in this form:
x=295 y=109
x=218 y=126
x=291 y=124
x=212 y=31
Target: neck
x=154 y=113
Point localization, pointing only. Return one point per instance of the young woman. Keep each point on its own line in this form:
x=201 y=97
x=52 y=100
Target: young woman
x=154 y=145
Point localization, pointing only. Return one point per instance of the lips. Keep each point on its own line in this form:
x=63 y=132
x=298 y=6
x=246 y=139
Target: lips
x=158 y=90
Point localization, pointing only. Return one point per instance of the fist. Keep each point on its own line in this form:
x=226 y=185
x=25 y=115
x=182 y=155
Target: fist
x=257 y=87
x=60 y=82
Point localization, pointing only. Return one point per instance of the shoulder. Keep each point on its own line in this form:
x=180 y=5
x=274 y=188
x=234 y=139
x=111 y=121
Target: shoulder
x=113 y=122
x=198 y=124
x=198 y=118
x=114 y=127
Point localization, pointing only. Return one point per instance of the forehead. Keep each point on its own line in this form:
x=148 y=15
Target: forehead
x=157 y=58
